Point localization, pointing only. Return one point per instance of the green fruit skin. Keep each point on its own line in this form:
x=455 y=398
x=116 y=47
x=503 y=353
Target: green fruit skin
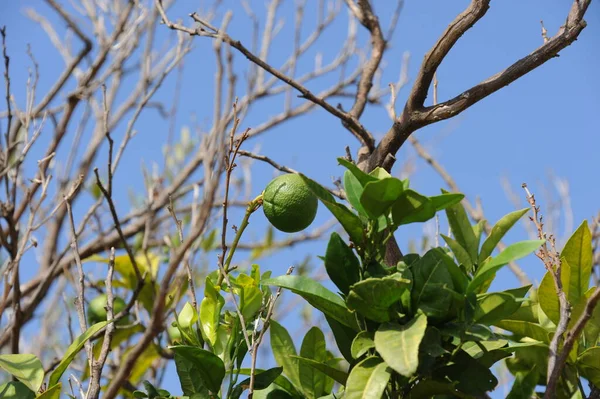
x=97 y=309
x=289 y=204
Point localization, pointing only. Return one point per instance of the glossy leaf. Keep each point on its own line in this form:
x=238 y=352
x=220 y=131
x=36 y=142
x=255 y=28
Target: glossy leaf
x=462 y=230
x=578 y=253
x=15 y=390
x=250 y=295
x=25 y=367
x=547 y=296
x=524 y=385
x=72 y=351
x=459 y=252
x=362 y=177
x=588 y=364
x=318 y=296
x=51 y=393
x=363 y=341
x=374 y=297
x=349 y=221
x=443 y=201
x=262 y=380
x=189 y=377
x=378 y=196
x=510 y=253
x=524 y=329
x=188 y=316
x=498 y=306
x=412 y=207
x=379 y=173
x=312 y=381
x=338 y=376
x=368 y=379
x=341 y=263
x=430 y=276
x=501 y=227
x=343 y=336
x=284 y=352
x=398 y=344
x=353 y=190
x=210 y=367
x=210 y=312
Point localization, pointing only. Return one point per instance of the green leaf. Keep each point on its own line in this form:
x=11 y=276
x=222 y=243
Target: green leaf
x=510 y=253
x=427 y=389
x=15 y=390
x=524 y=329
x=143 y=362
x=363 y=341
x=501 y=227
x=262 y=380
x=341 y=263
x=250 y=295
x=318 y=296
x=412 y=207
x=368 y=379
x=588 y=363
x=398 y=344
x=72 y=351
x=188 y=316
x=51 y=393
x=379 y=173
x=470 y=376
x=280 y=381
x=378 y=196
x=524 y=385
x=578 y=253
x=430 y=276
x=349 y=221
x=353 y=190
x=459 y=252
x=547 y=296
x=374 y=297
x=337 y=375
x=312 y=381
x=209 y=366
x=284 y=352
x=188 y=377
x=496 y=306
x=443 y=201
x=343 y=336
x=26 y=368
x=462 y=230
x=362 y=177
x=210 y=312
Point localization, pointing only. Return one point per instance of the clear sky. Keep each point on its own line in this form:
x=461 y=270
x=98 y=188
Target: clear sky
x=543 y=125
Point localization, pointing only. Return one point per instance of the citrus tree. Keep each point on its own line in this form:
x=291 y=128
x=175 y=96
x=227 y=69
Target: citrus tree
x=123 y=296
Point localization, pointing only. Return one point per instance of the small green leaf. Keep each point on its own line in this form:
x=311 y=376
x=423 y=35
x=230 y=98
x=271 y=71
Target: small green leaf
x=588 y=363
x=363 y=341
x=210 y=312
x=547 y=296
x=26 y=368
x=250 y=295
x=337 y=375
x=462 y=230
x=284 y=351
x=280 y=381
x=524 y=385
x=430 y=276
x=496 y=306
x=443 y=201
x=378 y=196
x=262 y=380
x=368 y=379
x=510 y=253
x=360 y=176
x=374 y=297
x=341 y=263
x=578 y=253
x=318 y=296
x=498 y=231
x=313 y=347
x=188 y=316
x=353 y=190
x=349 y=221
x=412 y=207
x=380 y=173
x=459 y=252
x=209 y=366
x=51 y=393
x=398 y=344
x=72 y=351
x=15 y=390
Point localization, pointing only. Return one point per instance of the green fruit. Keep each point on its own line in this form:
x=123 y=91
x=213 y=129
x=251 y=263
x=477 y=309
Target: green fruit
x=289 y=204
x=97 y=309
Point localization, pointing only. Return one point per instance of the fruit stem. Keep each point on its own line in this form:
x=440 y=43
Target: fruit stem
x=251 y=208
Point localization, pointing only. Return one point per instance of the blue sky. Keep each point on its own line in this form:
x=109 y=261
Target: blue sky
x=545 y=122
